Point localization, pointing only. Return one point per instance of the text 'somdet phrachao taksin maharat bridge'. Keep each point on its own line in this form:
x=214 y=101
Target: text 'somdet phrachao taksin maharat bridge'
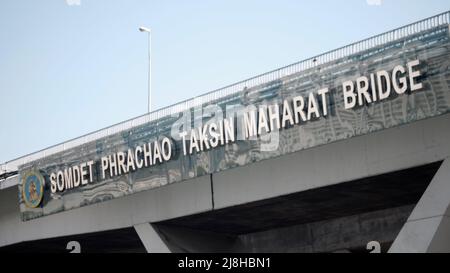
x=341 y=152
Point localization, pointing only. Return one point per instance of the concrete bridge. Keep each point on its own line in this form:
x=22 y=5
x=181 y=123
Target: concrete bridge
x=390 y=185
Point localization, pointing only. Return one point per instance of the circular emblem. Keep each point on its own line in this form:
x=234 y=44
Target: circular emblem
x=32 y=188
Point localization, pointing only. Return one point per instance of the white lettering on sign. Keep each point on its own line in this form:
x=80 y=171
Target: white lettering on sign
x=72 y=177
x=112 y=165
x=257 y=121
x=381 y=84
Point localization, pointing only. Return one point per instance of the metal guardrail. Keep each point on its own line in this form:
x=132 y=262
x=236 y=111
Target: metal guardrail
x=425 y=24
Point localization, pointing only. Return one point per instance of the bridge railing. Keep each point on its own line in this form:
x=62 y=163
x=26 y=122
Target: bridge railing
x=399 y=33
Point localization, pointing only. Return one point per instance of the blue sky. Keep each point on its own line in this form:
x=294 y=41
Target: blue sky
x=66 y=70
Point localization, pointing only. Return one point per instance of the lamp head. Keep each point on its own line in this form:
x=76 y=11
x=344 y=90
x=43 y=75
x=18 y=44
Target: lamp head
x=144 y=29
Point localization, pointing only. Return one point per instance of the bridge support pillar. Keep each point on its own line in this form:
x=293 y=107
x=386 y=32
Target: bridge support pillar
x=163 y=239
x=428 y=227
x=151 y=239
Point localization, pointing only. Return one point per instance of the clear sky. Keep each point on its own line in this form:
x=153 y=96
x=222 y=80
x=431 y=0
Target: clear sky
x=69 y=67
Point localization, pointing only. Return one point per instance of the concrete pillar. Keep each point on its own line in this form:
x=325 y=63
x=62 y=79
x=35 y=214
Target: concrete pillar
x=164 y=239
x=151 y=239
x=428 y=227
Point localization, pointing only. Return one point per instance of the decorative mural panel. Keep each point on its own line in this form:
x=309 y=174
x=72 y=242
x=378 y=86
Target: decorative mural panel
x=431 y=48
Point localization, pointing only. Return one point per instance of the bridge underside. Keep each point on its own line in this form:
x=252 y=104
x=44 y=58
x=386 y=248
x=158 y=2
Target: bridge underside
x=342 y=217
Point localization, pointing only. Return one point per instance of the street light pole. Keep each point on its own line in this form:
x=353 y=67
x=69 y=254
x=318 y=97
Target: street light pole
x=144 y=29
